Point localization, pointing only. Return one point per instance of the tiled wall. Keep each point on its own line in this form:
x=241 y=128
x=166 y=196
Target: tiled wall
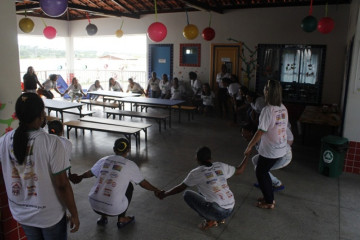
x=9 y=228
x=352 y=158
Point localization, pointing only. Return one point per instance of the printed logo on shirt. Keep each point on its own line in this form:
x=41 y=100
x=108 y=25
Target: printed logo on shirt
x=219 y=172
x=30 y=175
x=211 y=182
x=96 y=189
x=104 y=172
x=221 y=196
x=113 y=184
x=15 y=173
x=229 y=194
x=31 y=190
x=117 y=167
x=16 y=187
x=29 y=164
x=107 y=192
x=106 y=165
x=224 y=186
x=216 y=189
x=101 y=179
x=109 y=181
x=113 y=175
x=209 y=175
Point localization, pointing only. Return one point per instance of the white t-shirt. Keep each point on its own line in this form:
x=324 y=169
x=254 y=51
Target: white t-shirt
x=68 y=147
x=220 y=76
x=233 y=90
x=113 y=175
x=74 y=89
x=273 y=121
x=116 y=87
x=258 y=105
x=48 y=85
x=208 y=100
x=164 y=86
x=154 y=84
x=211 y=183
x=93 y=88
x=177 y=93
x=196 y=86
x=135 y=89
x=31 y=193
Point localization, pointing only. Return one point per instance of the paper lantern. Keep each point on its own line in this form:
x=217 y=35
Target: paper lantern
x=26 y=25
x=190 y=31
x=91 y=29
x=309 y=24
x=208 y=34
x=54 y=8
x=325 y=25
x=157 y=32
x=119 y=33
x=49 y=32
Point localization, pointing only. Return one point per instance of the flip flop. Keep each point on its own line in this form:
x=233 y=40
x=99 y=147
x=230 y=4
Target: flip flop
x=102 y=221
x=208 y=224
x=123 y=224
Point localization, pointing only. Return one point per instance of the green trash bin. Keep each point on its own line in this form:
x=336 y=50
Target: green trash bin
x=333 y=150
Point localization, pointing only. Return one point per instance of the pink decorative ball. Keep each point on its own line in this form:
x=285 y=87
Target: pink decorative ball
x=157 y=32
x=325 y=25
x=208 y=34
x=49 y=32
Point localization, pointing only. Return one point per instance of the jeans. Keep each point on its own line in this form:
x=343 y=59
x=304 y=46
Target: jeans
x=207 y=210
x=56 y=232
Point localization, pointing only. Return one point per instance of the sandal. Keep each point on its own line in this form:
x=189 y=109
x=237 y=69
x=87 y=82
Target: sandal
x=221 y=222
x=262 y=200
x=265 y=205
x=102 y=221
x=206 y=224
x=123 y=224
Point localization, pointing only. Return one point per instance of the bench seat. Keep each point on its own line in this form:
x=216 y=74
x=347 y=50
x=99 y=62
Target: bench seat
x=89 y=104
x=157 y=116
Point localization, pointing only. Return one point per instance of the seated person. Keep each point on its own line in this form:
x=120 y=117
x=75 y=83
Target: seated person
x=177 y=91
x=48 y=85
x=165 y=87
x=257 y=103
x=75 y=91
x=134 y=87
x=208 y=98
x=93 y=88
x=215 y=201
x=118 y=171
x=114 y=85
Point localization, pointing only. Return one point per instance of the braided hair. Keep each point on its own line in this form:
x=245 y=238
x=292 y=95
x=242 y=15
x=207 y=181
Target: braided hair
x=28 y=107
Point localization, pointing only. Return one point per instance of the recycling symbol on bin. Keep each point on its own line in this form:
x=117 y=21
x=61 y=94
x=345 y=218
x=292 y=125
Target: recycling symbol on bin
x=328 y=156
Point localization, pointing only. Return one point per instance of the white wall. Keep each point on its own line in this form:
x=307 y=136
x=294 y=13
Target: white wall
x=9 y=65
x=252 y=26
x=352 y=114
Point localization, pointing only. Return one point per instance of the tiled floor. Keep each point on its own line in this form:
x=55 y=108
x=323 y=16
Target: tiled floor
x=312 y=206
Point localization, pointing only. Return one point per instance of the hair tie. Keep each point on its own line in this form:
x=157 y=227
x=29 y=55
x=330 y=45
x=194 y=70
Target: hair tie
x=24 y=98
x=52 y=130
x=120 y=150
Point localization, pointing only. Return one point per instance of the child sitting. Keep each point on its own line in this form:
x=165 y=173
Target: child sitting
x=207 y=97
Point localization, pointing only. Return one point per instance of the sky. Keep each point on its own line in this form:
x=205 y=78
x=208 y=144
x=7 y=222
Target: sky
x=135 y=44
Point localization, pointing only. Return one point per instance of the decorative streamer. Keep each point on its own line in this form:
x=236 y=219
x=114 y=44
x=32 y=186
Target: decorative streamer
x=156 y=17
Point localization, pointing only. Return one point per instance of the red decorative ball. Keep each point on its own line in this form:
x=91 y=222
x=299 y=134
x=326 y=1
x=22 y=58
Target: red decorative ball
x=208 y=34
x=49 y=32
x=325 y=25
x=157 y=32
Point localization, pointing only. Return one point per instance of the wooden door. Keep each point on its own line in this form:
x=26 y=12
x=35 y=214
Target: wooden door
x=228 y=54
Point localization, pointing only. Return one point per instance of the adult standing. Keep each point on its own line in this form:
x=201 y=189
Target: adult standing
x=153 y=88
x=34 y=167
x=30 y=80
x=271 y=131
x=222 y=90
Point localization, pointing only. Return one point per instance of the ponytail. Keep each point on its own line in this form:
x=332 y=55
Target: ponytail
x=28 y=107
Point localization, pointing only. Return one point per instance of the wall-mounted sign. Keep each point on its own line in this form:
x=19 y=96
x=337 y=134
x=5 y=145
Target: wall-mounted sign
x=225 y=60
x=162 y=60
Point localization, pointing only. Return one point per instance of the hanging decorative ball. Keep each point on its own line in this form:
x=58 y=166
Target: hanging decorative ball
x=190 y=31
x=49 y=32
x=91 y=29
x=54 y=8
x=119 y=33
x=157 y=32
x=309 y=24
x=26 y=25
x=325 y=25
x=208 y=34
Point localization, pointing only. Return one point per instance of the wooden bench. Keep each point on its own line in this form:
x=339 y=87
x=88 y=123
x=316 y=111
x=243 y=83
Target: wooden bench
x=76 y=112
x=143 y=126
x=189 y=109
x=157 y=116
x=52 y=118
x=89 y=104
x=126 y=131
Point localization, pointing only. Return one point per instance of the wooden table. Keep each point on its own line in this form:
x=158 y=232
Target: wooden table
x=316 y=115
x=115 y=94
x=60 y=106
x=151 y=102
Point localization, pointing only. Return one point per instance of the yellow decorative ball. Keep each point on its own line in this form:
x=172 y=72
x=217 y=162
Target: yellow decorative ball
x=26 y=25
x=190 y=31
x=119 y=33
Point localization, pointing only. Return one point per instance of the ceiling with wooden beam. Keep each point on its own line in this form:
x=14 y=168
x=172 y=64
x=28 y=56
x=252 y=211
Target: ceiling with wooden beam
x=80 y=9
